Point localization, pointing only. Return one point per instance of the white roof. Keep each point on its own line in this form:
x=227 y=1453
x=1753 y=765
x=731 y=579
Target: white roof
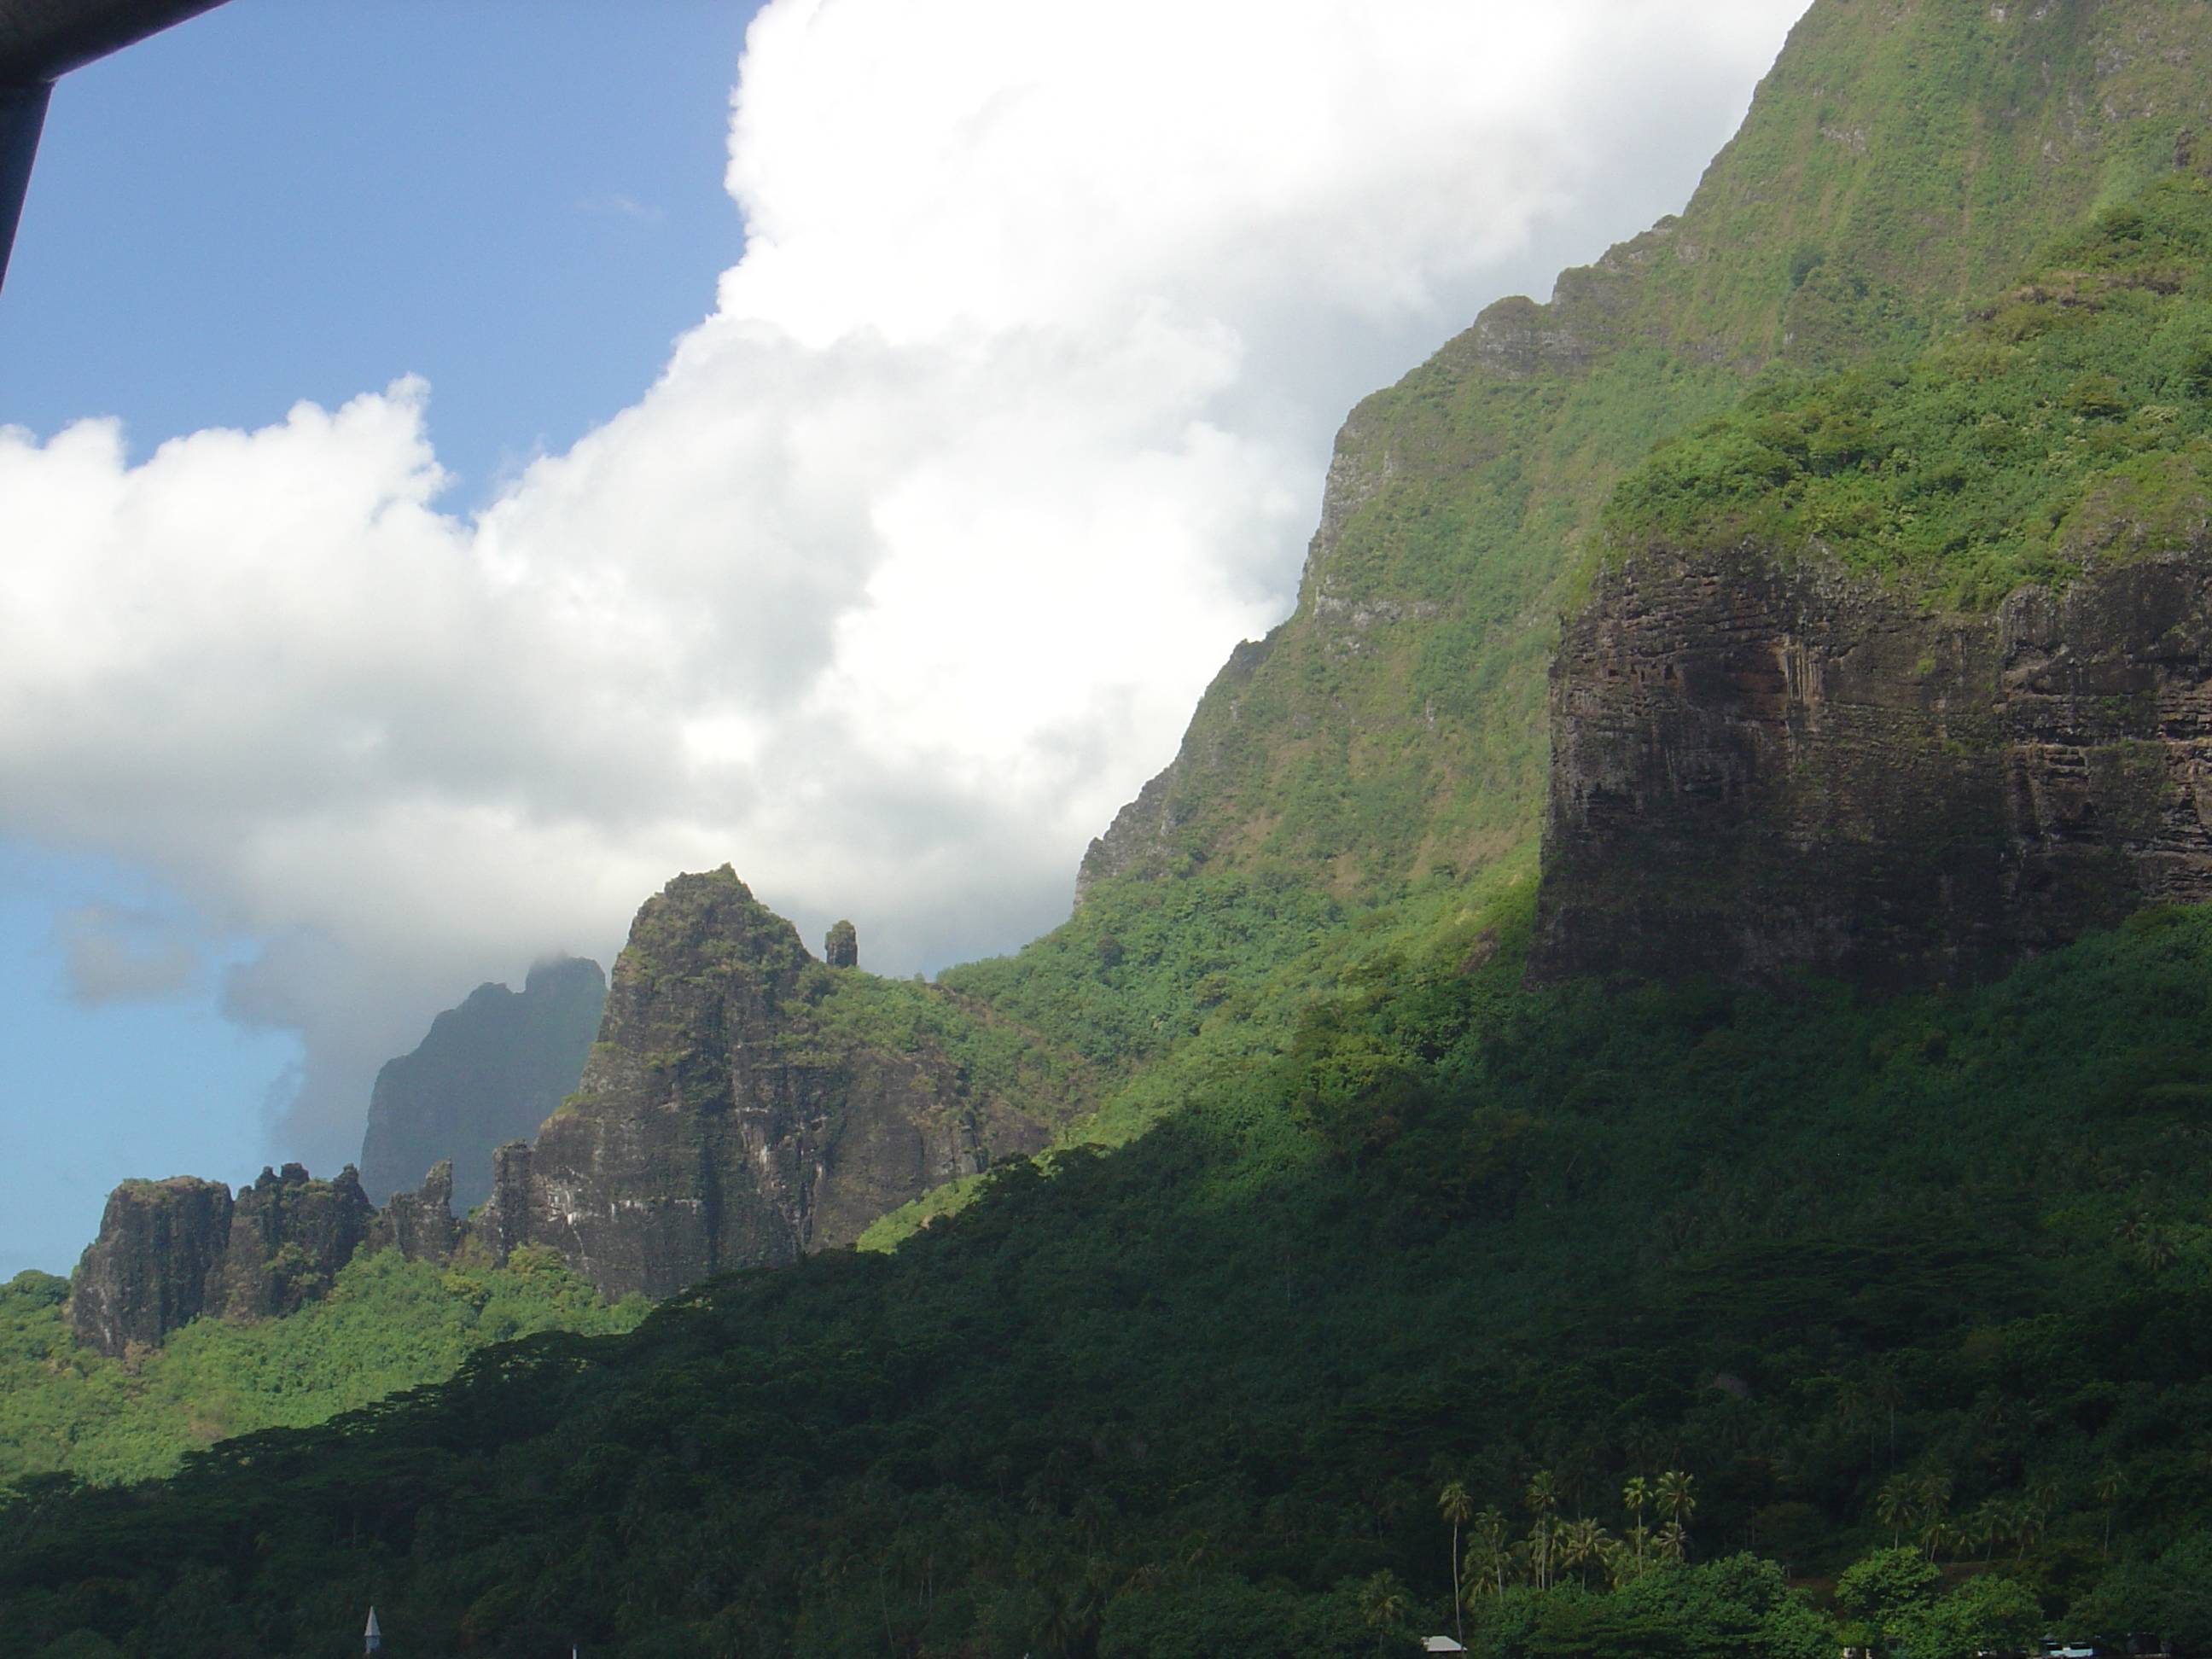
x=1443 y=1644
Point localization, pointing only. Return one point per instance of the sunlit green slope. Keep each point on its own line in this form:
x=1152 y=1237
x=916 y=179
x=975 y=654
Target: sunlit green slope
x=388 y=1325
x=1903 y=160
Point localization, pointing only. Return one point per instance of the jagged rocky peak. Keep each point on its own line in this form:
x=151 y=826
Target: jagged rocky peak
x=842 y=948
x=169 y=1251
x=734 y=1111
x=488 y=1070
x=422 y=1222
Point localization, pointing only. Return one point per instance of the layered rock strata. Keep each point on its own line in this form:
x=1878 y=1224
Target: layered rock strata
x=1761 y=765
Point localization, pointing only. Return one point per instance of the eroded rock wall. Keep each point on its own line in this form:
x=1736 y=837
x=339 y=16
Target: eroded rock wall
x=169 y=1251
x=1762 y=764
x=148 y=1271
x=726 y=1118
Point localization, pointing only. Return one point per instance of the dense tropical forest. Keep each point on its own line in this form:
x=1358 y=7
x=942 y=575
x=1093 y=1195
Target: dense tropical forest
x=1623 y=1312
x=1380 y=1292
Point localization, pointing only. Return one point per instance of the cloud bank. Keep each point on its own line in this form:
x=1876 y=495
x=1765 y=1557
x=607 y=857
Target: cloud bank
x=905 y=574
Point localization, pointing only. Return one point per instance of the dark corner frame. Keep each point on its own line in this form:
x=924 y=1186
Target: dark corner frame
x=41 y=40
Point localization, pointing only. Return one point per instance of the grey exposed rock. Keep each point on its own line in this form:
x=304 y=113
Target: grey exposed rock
x=289 y=1235
x=489 y=1071
x=169 y=1251
x=504 y=1220
x=147 y=1273
x=841 y=949
x=726 y=1119
x=422 y=1222
x=1761 y=764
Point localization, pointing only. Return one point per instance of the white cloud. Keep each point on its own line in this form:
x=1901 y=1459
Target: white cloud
x=908 y=570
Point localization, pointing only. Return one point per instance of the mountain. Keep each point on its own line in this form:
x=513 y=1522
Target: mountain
x=744 y=1104
x=1937 y=1264
x=1900 y=162
x=1773 y=1224
x=1902 y=676
x=489 y=1071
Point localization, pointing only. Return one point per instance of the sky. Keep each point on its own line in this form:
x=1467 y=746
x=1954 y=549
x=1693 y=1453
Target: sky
x=467 y=460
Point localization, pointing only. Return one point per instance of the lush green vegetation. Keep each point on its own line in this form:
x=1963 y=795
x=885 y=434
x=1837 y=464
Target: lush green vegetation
x=1692 y=1321
x=2071 y=420
x=993 y=1058
x=1179 y=989
x=1143 y=963
x=1898 y=164
x=388 y=1325
x=1935 y=1273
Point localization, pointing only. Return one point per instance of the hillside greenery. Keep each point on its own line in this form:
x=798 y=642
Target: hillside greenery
x=388 y=1325
x=1384 y=1293
x=1898 y=165
x=2071 y=420
x=1931 y=1275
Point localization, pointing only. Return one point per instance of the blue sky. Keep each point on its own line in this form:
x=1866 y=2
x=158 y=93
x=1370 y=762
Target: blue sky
x=858 y=488
x=518 y=200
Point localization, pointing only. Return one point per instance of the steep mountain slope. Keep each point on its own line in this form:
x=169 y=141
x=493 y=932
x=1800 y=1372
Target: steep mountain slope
x=1901 y=159
x=1428 y=1277
x=1903 y=675
x=744 y=1104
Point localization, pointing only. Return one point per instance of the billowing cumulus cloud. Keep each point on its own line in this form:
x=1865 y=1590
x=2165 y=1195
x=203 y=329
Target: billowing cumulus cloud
x=908 y=570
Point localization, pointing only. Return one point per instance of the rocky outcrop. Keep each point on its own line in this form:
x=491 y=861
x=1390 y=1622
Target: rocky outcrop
x=169 y=1251
x=1761 y=765
x=159 y=1243
x=744 y=1104
x=841 y=947
x=289 y=1235
x=420 y=1222
x=738 y=1109
x=487 y=1071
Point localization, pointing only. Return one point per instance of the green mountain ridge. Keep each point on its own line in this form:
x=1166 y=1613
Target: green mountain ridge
x=1900 y=162
x=1386 y=1291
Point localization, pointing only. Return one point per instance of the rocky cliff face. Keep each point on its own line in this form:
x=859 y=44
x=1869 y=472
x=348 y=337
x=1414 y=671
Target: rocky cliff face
x=487 y=1071
x=744 y=1104
x=1396 y=720
x=146 y=1273
x=169 y=1251
x=1762 y=764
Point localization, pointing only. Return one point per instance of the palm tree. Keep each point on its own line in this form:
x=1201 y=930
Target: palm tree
x=1383 y=1605
x=2109 y=1487
x=1672 y=1541
x=1674 y=1498
x=1931 y=1501
x=1633 y=1496
x=1893 y=1506
x=1486 y=1555
x=1581 y=1541
x=1543 y=1496
x=1455 y=1506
